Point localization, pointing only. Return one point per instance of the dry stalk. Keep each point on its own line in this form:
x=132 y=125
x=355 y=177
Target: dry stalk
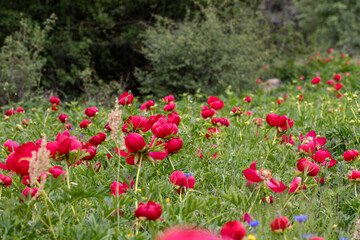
x=356 y=235
x=114 y=119
x=39 y=163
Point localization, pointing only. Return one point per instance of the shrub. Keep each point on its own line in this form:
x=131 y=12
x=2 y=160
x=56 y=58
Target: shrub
x=21 y=60
x=331 y=23
x=217 y=49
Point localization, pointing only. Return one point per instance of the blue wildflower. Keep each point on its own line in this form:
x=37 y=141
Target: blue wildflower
x=187 y=175
x=254 y=223
x=309 y=235
x=300 y=218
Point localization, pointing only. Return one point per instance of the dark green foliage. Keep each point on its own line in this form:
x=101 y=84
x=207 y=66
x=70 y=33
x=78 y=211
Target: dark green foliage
x=215 y=50
x=331 y=23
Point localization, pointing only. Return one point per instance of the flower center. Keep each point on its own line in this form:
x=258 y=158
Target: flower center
x=265 y=174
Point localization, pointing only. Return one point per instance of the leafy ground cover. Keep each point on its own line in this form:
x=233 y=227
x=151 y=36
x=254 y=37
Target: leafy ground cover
x=276 y=165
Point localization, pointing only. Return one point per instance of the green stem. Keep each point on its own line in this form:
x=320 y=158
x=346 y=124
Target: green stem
x=137 y=181
x=255 y=200
x=172 y=165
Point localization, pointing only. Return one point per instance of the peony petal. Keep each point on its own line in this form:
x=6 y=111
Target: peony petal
x=158 y=155
x=320 y=142
x=276 y=186
x=252 y=175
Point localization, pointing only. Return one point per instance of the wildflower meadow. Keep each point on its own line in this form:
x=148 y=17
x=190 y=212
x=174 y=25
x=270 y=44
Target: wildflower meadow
x=276 y=164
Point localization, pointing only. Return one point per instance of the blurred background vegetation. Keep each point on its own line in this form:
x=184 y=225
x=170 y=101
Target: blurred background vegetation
x=96 y=49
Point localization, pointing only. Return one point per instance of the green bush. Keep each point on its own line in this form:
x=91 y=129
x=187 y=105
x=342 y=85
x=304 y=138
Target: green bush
x=217 y=49
x=21 y=60
x=331 y=23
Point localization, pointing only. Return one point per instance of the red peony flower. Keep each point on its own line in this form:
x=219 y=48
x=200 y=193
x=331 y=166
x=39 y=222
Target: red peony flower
x=89 y=149
x=272 y=119
x=247 y=99
x=126 y=99
x=207 y=112
x=311 y=137
x=5 y=180
x=253 y=175
x=169 y=99
x=85 y=123
x=20 y=110
x=330 y=82
x=182 y=180
x=295 y=185
x=169 y=107
x=91 y=112
x=10 y=112
x=280 y=224
x=236 y=111
x=305 y=165
x=316 y=80
x=117 y=188
x=354 y=175
x=338 y=86
x=30 y=191
x=63 y=118
x=211 y=132
x=220 y=122
x=174 y=118
x=148 y=211
x=11 y=145
x=135 y=142
x=351 y=155
x=337 y=77
x=98 y=139
x=57 y=171
x=63 y=145
x=174 y=145
x=234 y=230
x=136 y=124
x=147 y=106
x=188 y=233
x=215 y=103
x=163 y=129
x=18 y=161
x=55 y=101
